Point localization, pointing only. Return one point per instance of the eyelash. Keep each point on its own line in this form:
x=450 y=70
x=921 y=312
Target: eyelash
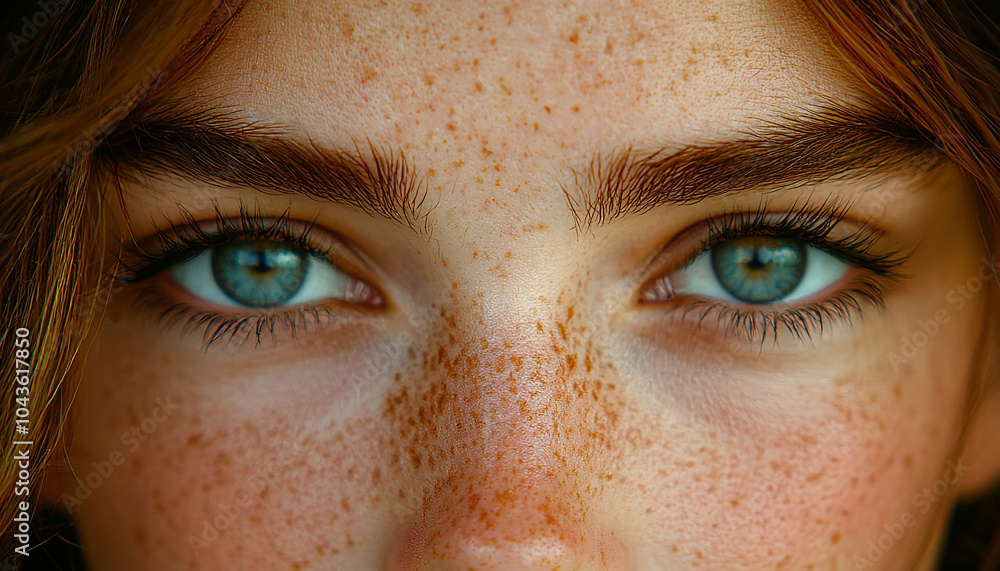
x=178 y=243
x=812 y=226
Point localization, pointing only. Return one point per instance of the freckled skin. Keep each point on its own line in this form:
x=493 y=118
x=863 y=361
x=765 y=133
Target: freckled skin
x=513 y=407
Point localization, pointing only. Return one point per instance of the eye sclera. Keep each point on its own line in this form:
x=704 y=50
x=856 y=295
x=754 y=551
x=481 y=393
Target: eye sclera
x=356 y=291
x=666 y=288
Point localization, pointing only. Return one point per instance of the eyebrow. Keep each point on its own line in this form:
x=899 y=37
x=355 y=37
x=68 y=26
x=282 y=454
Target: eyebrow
x=828 y=143
x=218 y=147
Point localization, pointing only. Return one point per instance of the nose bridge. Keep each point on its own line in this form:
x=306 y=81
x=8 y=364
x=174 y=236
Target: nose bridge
x=493 y=432
x=494 y=386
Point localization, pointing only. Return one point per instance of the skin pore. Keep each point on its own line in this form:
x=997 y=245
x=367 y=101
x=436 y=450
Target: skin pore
x=511 y=402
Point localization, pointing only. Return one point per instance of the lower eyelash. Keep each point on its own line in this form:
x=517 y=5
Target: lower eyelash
x=240 y=328
x=803 y=322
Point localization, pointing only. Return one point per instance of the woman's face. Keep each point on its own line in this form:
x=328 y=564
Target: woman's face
x=559 y=341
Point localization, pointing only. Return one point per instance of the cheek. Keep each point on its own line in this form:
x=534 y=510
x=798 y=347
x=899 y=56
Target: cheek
x=819 y=475
x=208 y=465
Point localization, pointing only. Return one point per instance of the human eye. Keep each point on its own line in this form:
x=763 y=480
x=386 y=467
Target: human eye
x=239 y=278
x=761 y=273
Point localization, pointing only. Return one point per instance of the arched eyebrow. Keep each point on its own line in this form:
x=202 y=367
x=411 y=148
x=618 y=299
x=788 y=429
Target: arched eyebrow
x=834 y=142
x=219 y=148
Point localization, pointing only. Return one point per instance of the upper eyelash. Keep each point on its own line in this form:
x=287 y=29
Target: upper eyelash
x=810 y=225
x=179 y=242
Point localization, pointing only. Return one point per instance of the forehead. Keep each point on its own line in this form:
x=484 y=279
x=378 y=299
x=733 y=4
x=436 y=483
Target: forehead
x=447 y=75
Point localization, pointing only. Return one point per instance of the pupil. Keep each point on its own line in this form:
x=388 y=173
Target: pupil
x=261 y=266
x=757 y=262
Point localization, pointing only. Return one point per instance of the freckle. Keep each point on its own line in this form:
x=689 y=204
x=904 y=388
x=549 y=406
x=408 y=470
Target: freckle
x=451 y=126
x=562 y=331
x=539 y=325
x=576 y=109
x=479 y=86
x=574 y=36
x=548 y=109
x=835 y=538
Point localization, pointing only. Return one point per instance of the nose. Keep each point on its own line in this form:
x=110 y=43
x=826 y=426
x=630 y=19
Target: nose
x=488 y=521
x=513 y=491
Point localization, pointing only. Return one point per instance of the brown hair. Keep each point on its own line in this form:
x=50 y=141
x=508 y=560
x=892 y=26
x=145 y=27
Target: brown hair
x=936 y=63
x=74 y=70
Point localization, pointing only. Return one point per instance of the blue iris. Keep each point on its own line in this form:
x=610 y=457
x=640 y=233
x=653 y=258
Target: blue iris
x=759 y=269
x=259 y=273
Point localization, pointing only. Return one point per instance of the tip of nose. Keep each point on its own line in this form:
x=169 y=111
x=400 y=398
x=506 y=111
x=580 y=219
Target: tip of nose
x=487 y=541
x=510 y=553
